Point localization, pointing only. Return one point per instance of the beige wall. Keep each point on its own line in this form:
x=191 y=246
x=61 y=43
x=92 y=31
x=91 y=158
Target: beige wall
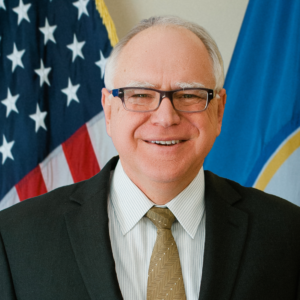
x=222 y=18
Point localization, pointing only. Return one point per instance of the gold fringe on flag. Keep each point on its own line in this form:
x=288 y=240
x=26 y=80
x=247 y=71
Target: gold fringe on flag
x=107 y=21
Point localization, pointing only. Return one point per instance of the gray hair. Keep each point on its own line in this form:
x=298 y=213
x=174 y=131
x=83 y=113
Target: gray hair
x=198 y=30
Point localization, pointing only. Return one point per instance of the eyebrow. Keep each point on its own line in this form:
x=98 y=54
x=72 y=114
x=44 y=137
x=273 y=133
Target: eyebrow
x=141 y=84
x=182 y=85
x=185 y=85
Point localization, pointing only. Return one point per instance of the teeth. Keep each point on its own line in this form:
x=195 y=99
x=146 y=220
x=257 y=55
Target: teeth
x=166 y=142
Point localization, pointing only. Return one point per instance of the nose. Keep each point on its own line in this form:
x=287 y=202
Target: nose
x=165 y=115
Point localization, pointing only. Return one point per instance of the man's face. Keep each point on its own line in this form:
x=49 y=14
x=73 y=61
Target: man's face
x=163 y=58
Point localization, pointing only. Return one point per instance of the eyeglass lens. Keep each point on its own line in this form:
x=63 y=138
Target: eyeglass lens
x=183 y=100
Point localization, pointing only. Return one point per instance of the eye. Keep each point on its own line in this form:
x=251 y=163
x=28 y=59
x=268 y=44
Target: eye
x=189 y=96
x=141 y=96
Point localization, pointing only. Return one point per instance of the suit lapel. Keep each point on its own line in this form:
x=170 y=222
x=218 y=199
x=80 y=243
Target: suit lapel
x=226 y=229
x=87 y=225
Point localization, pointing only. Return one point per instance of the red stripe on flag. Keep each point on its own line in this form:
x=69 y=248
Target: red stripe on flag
x=31 y=185
x=80 y=155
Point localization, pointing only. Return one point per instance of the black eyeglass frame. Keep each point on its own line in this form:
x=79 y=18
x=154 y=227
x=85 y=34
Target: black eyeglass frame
x=211 y=94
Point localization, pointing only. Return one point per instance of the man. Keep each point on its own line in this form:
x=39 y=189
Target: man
x=114 y=236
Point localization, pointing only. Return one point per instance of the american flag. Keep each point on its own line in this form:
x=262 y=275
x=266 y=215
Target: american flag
x=52 y=129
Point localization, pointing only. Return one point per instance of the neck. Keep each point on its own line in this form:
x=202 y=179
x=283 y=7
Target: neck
x=158 y=191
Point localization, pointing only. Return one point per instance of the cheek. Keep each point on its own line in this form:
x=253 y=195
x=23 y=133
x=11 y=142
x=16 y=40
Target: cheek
x=118 y=127
x=212 y=119
x=116 y=124
x=124 y=126
x=206 y=126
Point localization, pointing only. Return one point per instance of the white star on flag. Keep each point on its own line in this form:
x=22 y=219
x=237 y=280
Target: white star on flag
x=21 y=10
x=2 y=5
x=101 y=63
x=5 y=149
x=81 y=5
x=48 y=32
x=43 y=73
x=71 y=91
x=39 y=118
x=76 y=48
x=10 y=103
x=15 y=57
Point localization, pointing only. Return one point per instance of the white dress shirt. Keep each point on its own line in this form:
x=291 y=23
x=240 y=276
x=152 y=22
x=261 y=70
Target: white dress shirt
x=133 y=236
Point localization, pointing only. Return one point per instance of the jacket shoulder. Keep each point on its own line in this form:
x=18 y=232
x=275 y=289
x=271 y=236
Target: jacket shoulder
x=254 y=201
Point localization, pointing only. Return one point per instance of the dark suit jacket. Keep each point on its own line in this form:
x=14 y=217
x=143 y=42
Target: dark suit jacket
x=57 y=246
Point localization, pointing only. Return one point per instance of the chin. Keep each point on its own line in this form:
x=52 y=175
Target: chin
x=165 y=172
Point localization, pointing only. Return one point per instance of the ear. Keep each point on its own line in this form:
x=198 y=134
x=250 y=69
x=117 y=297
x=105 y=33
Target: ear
x=221 y=107
x=106 y=104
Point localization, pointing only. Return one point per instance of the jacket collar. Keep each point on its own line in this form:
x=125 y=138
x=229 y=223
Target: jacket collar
x=87 y=225
x=226 y=231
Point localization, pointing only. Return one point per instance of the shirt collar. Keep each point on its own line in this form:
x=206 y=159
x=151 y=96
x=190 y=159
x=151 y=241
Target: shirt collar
x=131 y=204
x=188 y=206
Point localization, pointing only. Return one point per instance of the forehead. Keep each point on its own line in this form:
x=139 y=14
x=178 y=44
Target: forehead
x=163 y=56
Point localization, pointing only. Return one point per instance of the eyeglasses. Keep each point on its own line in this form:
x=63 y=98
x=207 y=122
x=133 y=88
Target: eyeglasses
x=145 y=99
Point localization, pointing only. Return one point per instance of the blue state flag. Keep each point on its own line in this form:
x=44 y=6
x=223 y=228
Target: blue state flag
x=260 y=141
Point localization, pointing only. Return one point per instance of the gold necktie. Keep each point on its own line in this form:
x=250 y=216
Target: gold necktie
x=165 y=280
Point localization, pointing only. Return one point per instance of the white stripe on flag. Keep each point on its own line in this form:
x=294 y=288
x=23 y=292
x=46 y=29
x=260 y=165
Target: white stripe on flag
x=55 y=170
x=101 y=141
x=9 y=199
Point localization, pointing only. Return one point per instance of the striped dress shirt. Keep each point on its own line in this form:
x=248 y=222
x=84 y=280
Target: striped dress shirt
x=133 y=235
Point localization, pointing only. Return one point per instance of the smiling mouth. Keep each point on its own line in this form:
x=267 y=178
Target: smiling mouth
x=166 y=143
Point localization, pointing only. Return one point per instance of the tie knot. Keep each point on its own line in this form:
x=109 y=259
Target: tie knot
x=162 y=218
